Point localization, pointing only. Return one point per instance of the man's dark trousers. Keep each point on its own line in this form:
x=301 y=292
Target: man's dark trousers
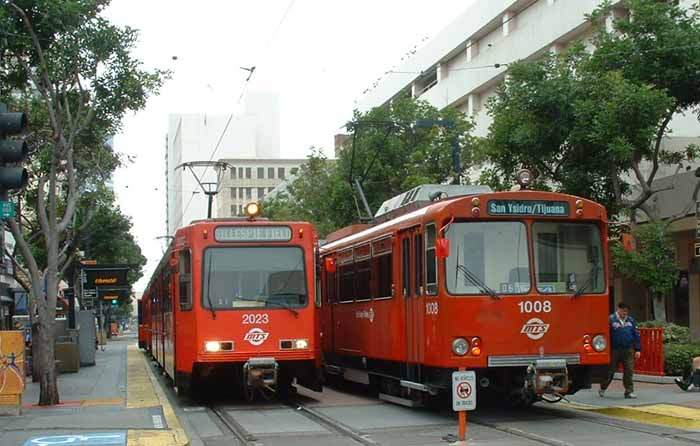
x=626 y=357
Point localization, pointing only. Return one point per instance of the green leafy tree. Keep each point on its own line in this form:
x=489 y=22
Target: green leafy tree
x=593 y=124
x=73 y=70
x=652 y=264
x=389 y=155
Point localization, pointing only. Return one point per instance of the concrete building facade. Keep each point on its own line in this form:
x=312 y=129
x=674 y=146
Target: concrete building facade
x=201 y=137
x=251 y=180
x=463 y=65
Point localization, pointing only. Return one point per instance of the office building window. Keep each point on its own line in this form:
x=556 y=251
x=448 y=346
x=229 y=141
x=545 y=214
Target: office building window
x=234 y=210
x=261 y=172
x=240 y=172
x=294 y=170
x=241 y=192
x=270 y=189
x=280 y=173
x=261 y=193
x=233 y=193
x=271 y=172
x=248 y=193
x=248 y=172
x=240 y=209
x=233 y=173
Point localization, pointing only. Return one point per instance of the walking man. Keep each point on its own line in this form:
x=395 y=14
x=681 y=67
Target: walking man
x=626 y=348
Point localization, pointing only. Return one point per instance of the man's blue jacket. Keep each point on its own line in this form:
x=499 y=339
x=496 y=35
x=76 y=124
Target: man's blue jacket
x=624 y=335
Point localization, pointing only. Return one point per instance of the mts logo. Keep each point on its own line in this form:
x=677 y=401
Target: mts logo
x=256 y=336
x=535 y=328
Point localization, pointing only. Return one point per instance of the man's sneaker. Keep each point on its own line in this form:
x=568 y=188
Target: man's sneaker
x=631 y=396
x=601 y=393
x=682 y=383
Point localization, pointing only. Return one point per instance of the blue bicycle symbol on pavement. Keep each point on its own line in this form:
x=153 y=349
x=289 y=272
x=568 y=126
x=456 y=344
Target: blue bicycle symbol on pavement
x=93 y=439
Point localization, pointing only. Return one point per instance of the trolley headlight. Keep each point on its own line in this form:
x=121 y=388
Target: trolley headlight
x=301 y=344
x=460 y=346
x=600 y=343
x=212 y=346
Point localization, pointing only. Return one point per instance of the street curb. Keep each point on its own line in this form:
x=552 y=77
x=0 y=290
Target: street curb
x=658 y=414
x=176 y=435
x=650 y=378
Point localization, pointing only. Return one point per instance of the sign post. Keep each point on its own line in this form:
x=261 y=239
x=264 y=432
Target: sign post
x=463 y=397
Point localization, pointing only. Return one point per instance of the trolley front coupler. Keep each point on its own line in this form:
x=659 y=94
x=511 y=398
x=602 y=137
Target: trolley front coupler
x=548 y=376
x=259 y=372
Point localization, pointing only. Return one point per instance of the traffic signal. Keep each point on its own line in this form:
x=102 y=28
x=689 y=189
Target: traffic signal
x=12 y=150
x=114 y=301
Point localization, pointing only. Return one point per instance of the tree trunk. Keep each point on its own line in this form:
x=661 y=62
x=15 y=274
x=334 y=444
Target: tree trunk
x=45 y=360
x=659 y=306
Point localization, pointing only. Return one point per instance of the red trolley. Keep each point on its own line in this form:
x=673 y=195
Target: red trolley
x=237 y=298
x=509 y=284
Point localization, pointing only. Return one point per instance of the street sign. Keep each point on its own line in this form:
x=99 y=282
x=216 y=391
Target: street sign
x=96 y=439
x=463 y=391
x=7 y=209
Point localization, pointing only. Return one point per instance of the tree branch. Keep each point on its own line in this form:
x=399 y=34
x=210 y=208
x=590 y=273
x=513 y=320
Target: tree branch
x=657 y=146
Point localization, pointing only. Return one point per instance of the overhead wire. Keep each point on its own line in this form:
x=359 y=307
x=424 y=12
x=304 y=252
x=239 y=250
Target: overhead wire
x=244 y=90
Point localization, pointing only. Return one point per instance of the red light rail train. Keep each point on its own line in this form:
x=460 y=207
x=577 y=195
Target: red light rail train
x=236 y=298
x=511 y=285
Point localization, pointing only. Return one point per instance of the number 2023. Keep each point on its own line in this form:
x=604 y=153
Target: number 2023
x=256 y=319
x=535 y=307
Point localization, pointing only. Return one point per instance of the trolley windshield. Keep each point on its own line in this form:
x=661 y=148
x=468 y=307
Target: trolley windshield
x=488 y=258
x=568 y=258
x=254 y=277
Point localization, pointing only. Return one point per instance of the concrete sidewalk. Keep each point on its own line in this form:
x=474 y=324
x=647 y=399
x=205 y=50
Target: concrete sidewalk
x=115 y=402
x=656 y=403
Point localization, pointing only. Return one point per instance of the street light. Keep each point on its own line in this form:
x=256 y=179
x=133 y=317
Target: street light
x=456 y=163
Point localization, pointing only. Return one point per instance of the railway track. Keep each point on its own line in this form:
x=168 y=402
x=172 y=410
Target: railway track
x=245 y=438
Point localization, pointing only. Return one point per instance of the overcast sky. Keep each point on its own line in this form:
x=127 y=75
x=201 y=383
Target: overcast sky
x=319 y=55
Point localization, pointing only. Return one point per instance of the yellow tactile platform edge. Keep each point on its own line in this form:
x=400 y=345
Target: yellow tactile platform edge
x=143 y=390
x=662 y=414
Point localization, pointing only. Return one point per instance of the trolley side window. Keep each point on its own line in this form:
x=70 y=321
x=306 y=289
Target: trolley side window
x=383 y=266
x=363 y=272
x=418 y=240
x=185 y=274
x=431 y=270
x=347 y=282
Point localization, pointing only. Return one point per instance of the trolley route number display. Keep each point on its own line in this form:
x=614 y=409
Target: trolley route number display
x=463 y=391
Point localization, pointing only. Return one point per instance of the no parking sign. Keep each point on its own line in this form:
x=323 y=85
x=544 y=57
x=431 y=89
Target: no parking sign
x=463 y=391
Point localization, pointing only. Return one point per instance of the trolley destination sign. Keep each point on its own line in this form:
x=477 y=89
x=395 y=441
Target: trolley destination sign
x=529 y=207
x=253 y=234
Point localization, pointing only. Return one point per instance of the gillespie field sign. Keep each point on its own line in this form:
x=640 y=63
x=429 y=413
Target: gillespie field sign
x=528 y=207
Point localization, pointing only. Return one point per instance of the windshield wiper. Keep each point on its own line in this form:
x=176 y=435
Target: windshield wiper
x=588 y=281
x=284 y=305
x=208 y=291
x=474 y=279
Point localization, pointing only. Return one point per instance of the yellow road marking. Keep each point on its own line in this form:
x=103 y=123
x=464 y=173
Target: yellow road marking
x=143 y=390
x=663 y=414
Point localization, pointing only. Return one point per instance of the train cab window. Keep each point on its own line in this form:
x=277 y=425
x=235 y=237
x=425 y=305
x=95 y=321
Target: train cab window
x=244 y=277
x=185 y=285
x=418 y=244
x=568 y=258
x=488 y=257
x=431 y=270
